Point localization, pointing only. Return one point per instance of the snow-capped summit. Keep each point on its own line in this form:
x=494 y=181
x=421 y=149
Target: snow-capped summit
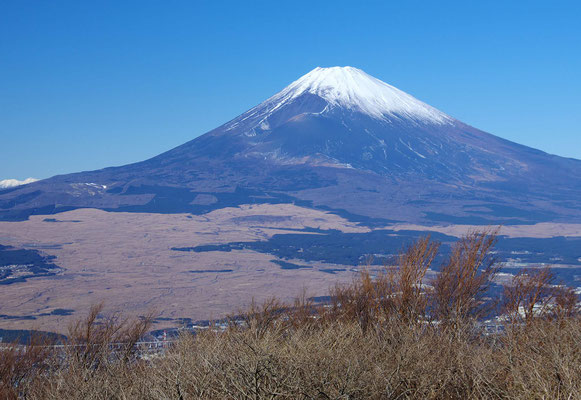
x=353 y=89
x=335 y=138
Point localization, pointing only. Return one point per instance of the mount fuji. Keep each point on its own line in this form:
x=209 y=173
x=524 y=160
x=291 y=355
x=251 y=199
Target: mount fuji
x=336 y=139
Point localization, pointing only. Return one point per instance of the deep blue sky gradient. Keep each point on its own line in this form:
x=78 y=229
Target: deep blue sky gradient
x=86 y=85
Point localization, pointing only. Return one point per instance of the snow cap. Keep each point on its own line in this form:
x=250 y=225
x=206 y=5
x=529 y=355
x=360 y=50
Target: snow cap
x=353 y=89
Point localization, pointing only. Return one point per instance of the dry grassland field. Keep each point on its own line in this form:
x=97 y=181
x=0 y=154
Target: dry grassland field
x=126 y=261
x=540 y=230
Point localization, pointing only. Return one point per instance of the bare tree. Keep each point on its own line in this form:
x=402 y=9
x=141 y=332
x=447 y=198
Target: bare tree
x=21 y=364
x=407 y=296
x=464 y=279
x=529 y=293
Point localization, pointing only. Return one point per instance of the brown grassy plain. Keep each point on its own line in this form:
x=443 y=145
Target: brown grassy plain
x=125 y=260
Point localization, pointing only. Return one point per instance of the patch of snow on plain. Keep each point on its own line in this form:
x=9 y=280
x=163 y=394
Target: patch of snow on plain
x=352 y=88
x=9 y=183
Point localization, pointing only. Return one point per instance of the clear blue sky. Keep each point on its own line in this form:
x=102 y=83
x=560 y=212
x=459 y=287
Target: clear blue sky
x=90 y=84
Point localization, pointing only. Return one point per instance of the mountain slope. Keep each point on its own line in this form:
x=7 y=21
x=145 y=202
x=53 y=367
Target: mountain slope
x=339 y=139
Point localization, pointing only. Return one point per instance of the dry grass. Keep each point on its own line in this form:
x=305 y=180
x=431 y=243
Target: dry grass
x=383 y=337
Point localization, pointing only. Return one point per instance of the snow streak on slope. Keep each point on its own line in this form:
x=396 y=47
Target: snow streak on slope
x=353 y=89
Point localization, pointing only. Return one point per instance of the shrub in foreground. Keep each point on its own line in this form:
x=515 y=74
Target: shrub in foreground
x=391 y=336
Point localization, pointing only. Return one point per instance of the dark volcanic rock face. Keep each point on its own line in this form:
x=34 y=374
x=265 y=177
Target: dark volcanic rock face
x=340 y=140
